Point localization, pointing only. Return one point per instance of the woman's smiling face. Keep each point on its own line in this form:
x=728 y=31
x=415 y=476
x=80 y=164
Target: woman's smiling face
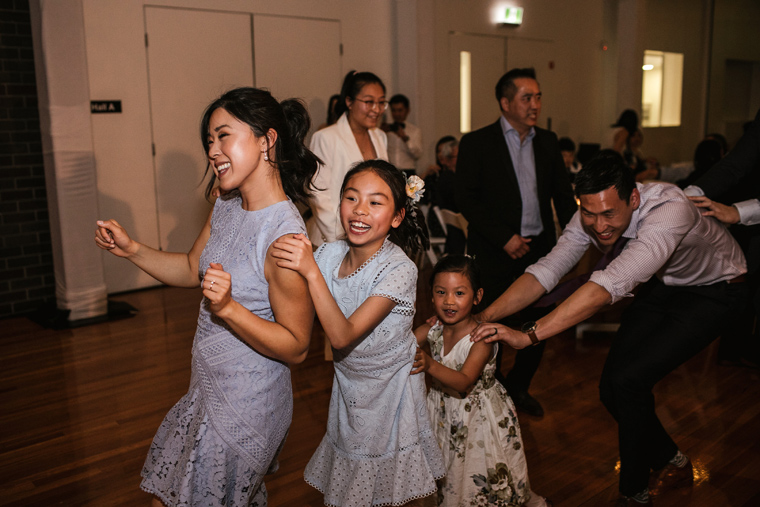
x=233 y=149
x=360 y=111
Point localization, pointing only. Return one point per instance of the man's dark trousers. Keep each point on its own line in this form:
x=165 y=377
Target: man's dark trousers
x=663 y=328
x=528 y=359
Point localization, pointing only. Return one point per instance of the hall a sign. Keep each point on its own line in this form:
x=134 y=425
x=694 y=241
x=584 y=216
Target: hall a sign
x=105 y=106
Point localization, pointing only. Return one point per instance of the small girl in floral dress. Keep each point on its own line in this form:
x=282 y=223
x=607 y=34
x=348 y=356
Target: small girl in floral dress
x=473 y=417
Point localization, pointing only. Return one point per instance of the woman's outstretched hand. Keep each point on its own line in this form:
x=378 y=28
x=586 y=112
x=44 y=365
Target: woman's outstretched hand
x=112 y=237
x=295 y=252
x=217 y=288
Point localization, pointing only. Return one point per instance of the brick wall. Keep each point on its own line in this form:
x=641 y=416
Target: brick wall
x=26 y=264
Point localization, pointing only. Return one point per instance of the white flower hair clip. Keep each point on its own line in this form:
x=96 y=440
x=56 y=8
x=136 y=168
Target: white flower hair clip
x=415 y=187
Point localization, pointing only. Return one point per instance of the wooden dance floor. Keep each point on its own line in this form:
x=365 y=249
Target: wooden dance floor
x=79 y=409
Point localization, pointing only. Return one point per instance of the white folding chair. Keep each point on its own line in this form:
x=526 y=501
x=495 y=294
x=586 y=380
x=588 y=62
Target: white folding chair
x=438 y=212
x=448 y=217
x=437 y=243
x=452 y=218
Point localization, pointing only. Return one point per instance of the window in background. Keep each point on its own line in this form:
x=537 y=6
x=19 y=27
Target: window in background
x=661 y=89
x=465 y=96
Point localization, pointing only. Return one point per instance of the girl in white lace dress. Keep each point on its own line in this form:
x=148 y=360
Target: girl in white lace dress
x=473 y=417
x=216 y=444
x=379 y=448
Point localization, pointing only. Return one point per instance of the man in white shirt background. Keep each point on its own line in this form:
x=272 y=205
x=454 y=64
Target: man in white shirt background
x=509 y=175
x=404 y=138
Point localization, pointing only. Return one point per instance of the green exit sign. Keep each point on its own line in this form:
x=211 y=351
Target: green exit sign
x=512 y=16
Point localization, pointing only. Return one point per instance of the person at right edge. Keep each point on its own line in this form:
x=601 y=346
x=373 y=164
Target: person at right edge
x=508 y=173
x=735 y=179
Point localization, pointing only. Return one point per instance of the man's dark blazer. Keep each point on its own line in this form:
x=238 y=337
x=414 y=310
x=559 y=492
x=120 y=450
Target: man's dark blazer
x=733 y=170
x=488 y=196
x=736 y=177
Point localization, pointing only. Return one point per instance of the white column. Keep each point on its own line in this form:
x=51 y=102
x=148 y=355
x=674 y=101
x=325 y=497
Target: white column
x=630 y=49
x=64 y=104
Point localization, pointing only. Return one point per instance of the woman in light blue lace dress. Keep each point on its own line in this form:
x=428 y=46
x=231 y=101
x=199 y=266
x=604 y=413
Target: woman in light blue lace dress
x=379 y=448
x=217 y=443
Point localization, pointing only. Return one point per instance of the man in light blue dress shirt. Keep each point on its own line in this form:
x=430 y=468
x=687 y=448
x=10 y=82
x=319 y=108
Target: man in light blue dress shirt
x=508 y=174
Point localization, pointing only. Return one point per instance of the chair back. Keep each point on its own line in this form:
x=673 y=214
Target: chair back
x=449 y=217
x=437 y=244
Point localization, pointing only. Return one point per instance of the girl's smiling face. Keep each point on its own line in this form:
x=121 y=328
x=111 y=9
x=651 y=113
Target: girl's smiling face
x=233 y=150
x=367 y=210
x=454 y=297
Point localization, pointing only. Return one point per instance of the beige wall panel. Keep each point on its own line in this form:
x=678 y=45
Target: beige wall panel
x=313 y=71
x=189 y=66
x=118 y=70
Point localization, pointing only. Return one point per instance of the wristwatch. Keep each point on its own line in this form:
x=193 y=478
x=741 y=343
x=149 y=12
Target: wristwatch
x=529 y=328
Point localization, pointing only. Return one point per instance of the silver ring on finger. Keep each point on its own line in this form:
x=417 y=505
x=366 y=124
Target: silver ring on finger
x=212 y=285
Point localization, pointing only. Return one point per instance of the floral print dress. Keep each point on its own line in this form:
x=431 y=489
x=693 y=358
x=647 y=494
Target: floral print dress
x=478 y=433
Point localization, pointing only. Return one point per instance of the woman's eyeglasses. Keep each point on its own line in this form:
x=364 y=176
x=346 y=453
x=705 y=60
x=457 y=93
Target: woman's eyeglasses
x=371 y=104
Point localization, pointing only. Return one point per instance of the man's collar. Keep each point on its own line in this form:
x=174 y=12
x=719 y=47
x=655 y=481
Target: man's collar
x=506 y=127
x=630 y=231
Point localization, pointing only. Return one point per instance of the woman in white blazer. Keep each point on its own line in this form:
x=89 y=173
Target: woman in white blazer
x=354 y=138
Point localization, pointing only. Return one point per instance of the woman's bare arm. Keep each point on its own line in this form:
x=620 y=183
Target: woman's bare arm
x=171 y=268
x=287 y=338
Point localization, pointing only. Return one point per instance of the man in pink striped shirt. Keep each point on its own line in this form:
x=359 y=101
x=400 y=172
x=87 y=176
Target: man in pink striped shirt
x=690 y=277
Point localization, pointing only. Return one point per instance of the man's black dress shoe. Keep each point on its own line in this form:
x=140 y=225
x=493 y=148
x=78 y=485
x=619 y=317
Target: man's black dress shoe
x=527 y=403
x=671 y=477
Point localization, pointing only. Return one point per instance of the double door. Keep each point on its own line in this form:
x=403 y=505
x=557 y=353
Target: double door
x=193 y=57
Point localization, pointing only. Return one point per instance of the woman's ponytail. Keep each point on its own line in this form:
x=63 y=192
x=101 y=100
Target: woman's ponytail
x=297 y=164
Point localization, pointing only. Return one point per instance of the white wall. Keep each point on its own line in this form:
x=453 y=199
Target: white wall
x=117 y=70
x=574 y=31
x=678 y=26
x=595 y=85
x=406 y=42
x=735 y=37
